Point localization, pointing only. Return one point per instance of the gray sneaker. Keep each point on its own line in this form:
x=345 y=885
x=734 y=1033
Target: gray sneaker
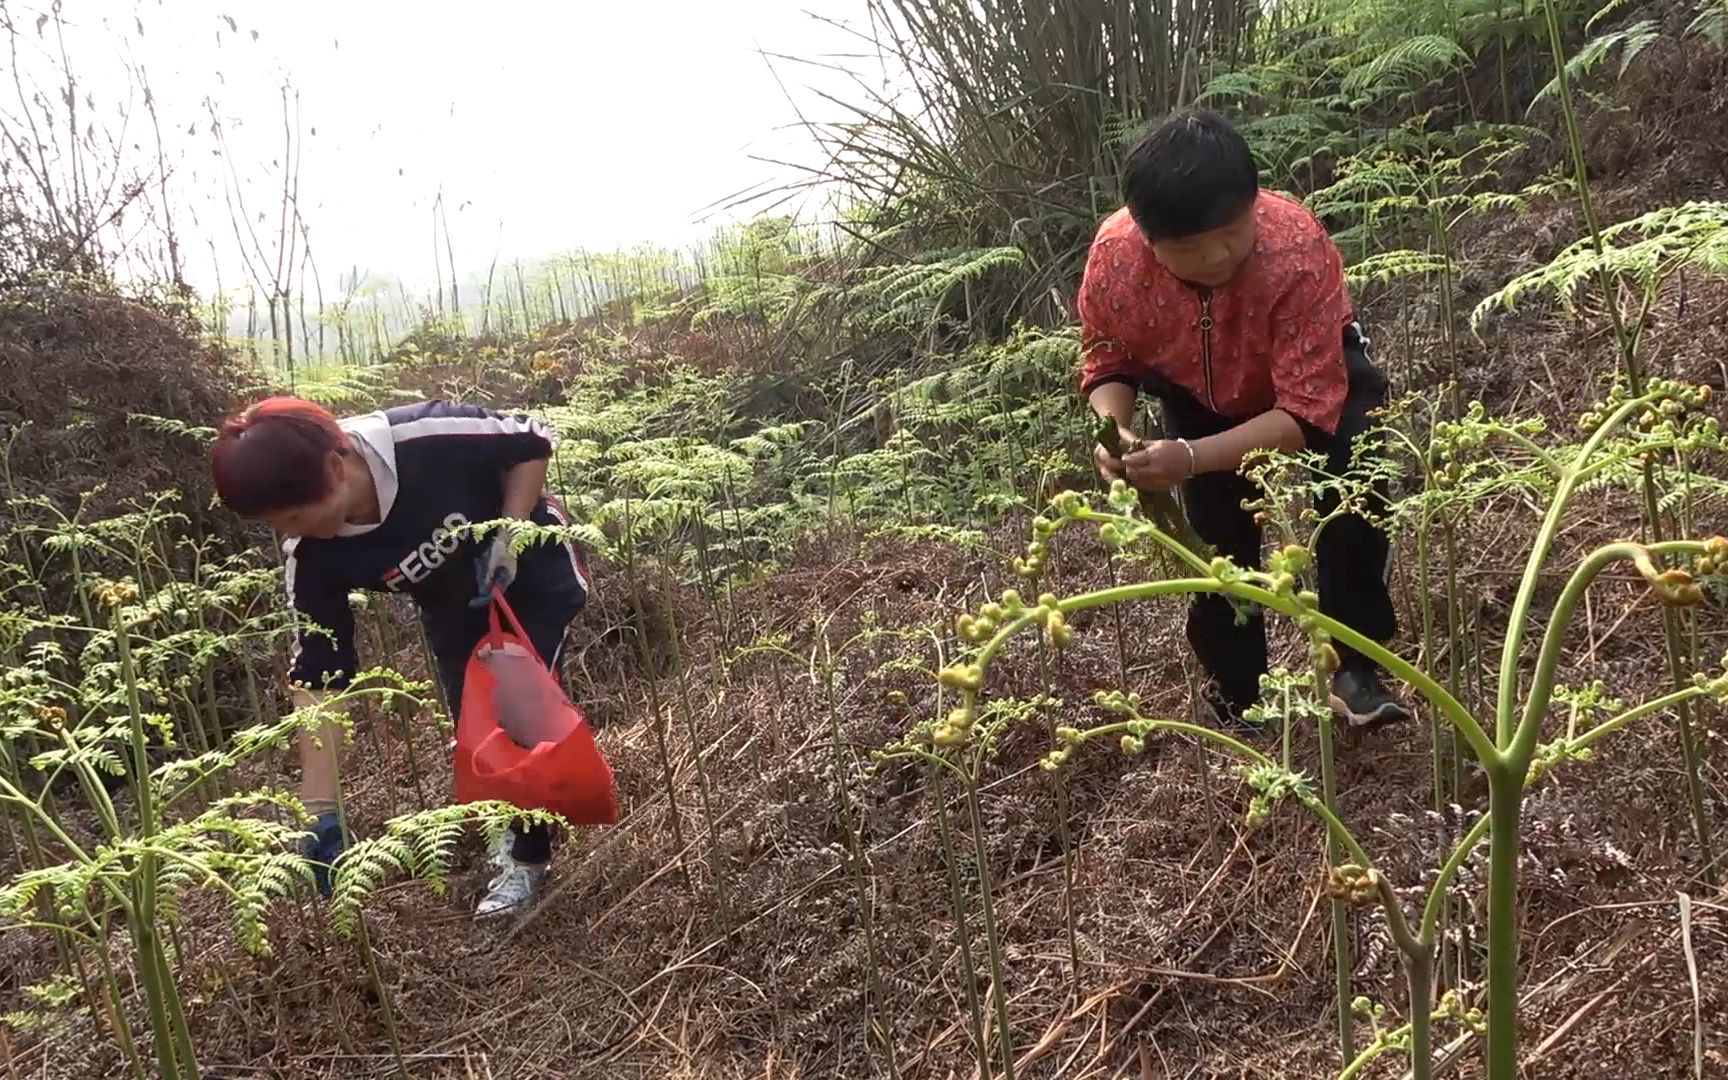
x=1362 y=702
x=513 y=889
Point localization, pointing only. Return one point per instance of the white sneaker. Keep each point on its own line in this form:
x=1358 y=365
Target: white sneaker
x=511 y=890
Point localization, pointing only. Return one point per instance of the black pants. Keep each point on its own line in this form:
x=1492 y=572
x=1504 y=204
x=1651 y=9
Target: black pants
x=453 y=636
x=1351 y=556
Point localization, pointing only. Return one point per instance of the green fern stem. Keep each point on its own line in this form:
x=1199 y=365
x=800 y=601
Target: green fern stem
x=31 y=847
x=1341 y=966
x=1674 y=649
x=1425 y=602
x=1690 y=747
x=858 y=869
x=698 y=753
x=177 y=1021
x=657 y=719
x=113 y=1007
x=1418 y=957
x=962 y=928
x=386 y=1013
x=167 y=1021
x=1064 y=834
x=1575 y=148
x=992 y=938
x=1505 y=801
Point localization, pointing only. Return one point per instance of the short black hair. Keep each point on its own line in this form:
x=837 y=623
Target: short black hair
x=1188 y=174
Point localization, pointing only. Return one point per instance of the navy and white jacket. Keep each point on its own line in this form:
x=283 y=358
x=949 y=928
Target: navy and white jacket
x=438 y=468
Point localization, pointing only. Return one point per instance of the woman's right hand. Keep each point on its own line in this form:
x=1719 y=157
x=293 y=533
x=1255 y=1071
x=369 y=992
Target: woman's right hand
x=1110 y=466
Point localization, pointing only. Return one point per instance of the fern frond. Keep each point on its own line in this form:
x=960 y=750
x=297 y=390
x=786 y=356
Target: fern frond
x=964 y=539
x=345 y=386
x=910 y=294
x=1390 y=266
x=169 y=426
x=1644 y=251
x=1119 y=130
x=1606 y=12
x=1711 y=23
x=363 y=869
x=1259 y=81
x=1630 y=40
x=416 y=846
x=1417 y=59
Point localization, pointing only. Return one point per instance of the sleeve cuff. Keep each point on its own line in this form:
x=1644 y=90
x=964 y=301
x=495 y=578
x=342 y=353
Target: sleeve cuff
x=1106 y=379
x=1315 y=435
x=1313 y=438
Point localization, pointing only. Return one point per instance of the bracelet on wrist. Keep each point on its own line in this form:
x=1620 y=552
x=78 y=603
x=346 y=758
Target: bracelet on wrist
x=1193 y=462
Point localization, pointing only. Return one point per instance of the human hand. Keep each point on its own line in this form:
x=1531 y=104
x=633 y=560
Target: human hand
x=494 y=568
x=1159 y=465
x=1109 y=465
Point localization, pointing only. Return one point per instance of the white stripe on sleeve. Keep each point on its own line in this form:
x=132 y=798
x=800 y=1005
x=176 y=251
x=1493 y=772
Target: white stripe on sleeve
x=472 y=425
x=290 y=568
x=558 y=515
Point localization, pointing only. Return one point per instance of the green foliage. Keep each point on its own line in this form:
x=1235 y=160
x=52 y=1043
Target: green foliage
x=1413 y=184
x=913 y=295
x=415 y=846
x=1406 y=65
x=344 y=387
x=1384 y=267
x=53 y=999
x=637 y=455
x=720 y=494
x=167 y=425
x=1629 y=41
x=1642 y=252
x=1711 y=22
x=958 y=441
x=757 y=272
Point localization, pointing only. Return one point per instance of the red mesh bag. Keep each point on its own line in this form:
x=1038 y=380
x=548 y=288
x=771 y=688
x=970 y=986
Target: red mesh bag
x=520 y=740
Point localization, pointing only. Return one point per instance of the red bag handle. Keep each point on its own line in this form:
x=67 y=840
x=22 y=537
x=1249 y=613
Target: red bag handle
x=495 y=637
x=481 y=772
x=495 y=640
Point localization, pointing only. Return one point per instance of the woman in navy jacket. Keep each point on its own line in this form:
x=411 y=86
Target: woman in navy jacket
x=382 y=502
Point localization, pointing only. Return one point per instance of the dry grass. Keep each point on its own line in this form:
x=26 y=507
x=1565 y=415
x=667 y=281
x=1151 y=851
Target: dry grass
x=1204 y=949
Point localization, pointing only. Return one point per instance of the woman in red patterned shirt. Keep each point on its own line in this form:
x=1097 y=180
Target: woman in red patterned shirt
x=1228 y=304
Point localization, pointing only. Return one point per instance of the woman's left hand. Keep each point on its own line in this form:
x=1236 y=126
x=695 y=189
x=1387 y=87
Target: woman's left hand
x=495 y=568
x=1159 y=465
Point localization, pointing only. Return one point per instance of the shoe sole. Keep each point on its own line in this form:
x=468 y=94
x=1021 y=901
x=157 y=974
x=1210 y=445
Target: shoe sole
x=511 y=908
x=508 y=909
x=515 y=906
x=1389 y=712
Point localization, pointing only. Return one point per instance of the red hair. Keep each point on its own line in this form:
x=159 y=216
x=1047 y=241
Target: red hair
x=274 y=456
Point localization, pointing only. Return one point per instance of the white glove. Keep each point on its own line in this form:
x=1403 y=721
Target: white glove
x=494 y=568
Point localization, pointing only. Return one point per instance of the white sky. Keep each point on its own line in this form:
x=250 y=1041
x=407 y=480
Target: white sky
x=547 y=125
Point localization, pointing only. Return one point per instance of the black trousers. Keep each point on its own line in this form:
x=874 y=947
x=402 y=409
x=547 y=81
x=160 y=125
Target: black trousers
x=1351 y=556
x=453 y=636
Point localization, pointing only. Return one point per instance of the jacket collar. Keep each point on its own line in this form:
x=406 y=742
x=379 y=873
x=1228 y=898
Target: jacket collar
x=377 y=447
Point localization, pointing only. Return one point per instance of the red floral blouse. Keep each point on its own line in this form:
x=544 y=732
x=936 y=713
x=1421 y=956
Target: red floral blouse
x=1272 y=337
